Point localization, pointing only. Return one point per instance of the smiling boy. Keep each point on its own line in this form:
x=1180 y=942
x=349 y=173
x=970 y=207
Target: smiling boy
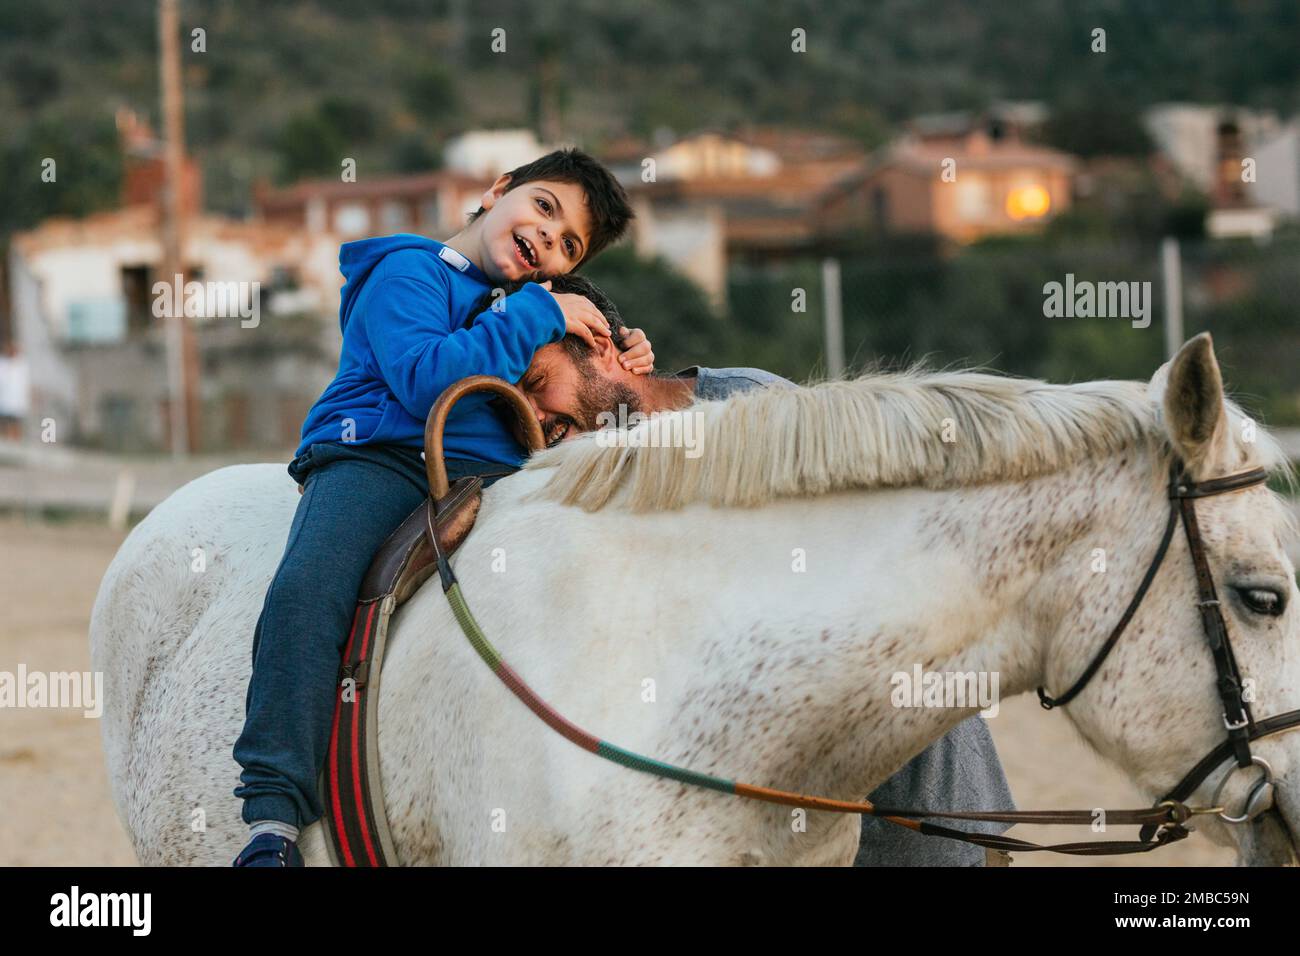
x=406 y=336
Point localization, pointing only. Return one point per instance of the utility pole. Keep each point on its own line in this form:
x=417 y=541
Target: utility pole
x=182 y=351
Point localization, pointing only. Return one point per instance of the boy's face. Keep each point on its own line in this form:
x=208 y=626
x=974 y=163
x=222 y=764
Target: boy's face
x=534 y=231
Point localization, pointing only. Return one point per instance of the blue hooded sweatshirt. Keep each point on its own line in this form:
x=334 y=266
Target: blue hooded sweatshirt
x=403 y=312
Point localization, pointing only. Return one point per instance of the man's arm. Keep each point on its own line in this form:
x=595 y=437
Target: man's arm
x=716 y=383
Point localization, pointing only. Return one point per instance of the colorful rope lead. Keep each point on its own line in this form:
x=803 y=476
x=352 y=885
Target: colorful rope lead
x=621 y=756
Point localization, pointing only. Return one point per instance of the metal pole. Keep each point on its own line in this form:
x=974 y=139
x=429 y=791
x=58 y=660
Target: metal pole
x=834 y=306
x=1171 y=267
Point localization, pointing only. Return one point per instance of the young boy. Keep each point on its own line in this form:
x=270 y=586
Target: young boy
x=405 y=339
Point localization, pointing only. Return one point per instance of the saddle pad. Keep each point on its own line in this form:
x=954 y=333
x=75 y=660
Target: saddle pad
x=350 y=785
x=354 y=812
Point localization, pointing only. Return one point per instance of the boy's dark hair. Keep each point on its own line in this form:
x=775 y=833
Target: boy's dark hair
x=574 y=285
x=606 y=201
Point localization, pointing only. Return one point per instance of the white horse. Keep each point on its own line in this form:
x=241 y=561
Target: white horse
x=739 y=613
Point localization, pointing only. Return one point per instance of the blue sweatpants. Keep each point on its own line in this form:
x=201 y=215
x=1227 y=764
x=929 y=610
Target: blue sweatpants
x=354 y=496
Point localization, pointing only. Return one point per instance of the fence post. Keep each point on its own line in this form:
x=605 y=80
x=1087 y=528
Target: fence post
x=1171 y=267
x=119 y=509
x=833 y=304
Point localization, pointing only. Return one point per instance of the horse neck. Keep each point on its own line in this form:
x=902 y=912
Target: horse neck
x=971 y=580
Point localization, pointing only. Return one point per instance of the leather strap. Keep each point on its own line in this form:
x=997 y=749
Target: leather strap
x=1179 y=487
x=1117 y=632
x=1237 y=718
x=1198 y=774
x=991 y=841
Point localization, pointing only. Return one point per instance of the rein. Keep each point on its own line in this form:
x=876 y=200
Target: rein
x=1161 y=824
x=1165 y=818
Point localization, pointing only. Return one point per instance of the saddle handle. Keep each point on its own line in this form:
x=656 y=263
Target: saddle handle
x=434 y=462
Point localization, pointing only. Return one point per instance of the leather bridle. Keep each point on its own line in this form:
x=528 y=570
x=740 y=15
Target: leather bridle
x=1238 y=721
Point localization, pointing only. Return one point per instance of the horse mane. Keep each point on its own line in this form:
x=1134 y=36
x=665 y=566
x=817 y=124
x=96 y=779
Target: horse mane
x=893 y=429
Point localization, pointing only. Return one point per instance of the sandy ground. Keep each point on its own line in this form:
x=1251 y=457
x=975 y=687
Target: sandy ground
x=52 y=776
x=54 y=786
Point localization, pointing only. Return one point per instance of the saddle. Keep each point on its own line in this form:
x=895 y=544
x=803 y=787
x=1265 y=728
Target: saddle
x=355 y=819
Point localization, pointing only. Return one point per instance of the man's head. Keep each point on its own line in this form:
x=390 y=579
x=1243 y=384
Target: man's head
x=547 y=217
x=568 y=382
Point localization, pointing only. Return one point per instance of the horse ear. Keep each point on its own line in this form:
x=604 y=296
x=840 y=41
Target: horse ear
x=1193 y=406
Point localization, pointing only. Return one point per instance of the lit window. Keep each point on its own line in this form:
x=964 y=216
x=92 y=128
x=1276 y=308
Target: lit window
x=1028 y=202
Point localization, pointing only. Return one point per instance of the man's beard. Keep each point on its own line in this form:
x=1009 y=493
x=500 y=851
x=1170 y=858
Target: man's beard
x=596 y=395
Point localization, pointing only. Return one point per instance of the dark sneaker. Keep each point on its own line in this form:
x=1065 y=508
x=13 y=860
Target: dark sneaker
x=269 y=849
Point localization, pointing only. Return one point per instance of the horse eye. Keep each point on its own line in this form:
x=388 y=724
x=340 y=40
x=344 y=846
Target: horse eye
x=1263 y=600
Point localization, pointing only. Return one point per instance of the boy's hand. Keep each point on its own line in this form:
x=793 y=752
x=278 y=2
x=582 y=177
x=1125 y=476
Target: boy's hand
x=581 y=318
x=638 y=358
